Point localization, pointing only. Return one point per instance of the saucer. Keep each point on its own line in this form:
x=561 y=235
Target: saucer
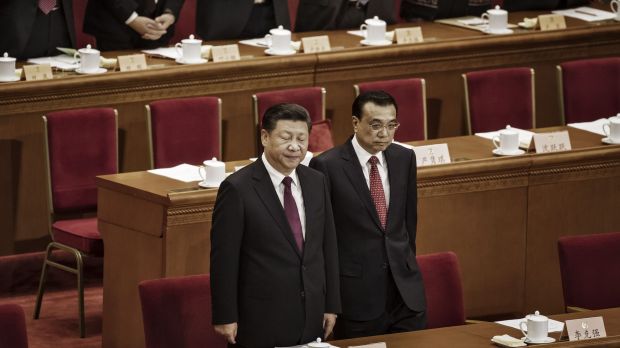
x=499 y=152
x=376 y=43
x=98 y=71
x=608 y=141
x=197 y=61
x=10 y=78
x=271 y=52
x=499 y=32
x=209 y=184
x=542 y=341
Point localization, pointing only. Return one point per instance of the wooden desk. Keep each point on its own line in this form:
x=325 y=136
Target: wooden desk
x=448 y=52
x=502 y=216
x=479 y=335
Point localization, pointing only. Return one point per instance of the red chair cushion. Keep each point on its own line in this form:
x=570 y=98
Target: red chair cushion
x=310 y=98
x=443 y=289
x=591 y=89
x=409 y=96
x=590 y=268
x=81 y=234
x=185 y=130
x=177 y=313
x=12 y=326
x=500 y=97
x=320 y=137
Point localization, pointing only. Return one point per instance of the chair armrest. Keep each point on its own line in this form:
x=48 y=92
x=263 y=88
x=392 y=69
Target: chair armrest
x=472 y=321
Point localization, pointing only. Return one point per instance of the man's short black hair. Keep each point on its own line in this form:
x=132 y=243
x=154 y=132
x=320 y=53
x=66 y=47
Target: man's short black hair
x=379 y=98
x=285 y=111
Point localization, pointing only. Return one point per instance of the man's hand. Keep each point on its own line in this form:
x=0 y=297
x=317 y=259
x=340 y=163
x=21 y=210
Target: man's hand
x=229 y=331
x=147 y=28
x=329 y=320
x=165 y=20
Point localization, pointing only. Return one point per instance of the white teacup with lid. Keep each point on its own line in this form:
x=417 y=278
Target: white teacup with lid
x=89 y=60
x=318 y=344
x=374 y=31
x=279 y=41
x=535 y=327
x=7 y=68
x=498 y=20
x=507 y=143
x=612 y=130
x=189 y=50
x=214 y=173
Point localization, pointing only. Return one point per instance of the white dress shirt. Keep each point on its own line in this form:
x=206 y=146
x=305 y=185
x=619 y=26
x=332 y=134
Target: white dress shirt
x=363 y=157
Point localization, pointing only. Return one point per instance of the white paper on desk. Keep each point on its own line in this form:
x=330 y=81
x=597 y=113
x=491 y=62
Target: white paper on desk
x=306 y=346
x=62 y=61
x=593 y=127
x=183 y=172
x=587 y=14
x=554 y=325
x=525 y=136
x=389 y=35
x=371 y=345
x=260 y=42
x=173 y=53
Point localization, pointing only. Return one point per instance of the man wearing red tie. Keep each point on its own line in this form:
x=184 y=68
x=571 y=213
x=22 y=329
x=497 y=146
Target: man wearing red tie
x=34 y=28
x=274 y=262
x=372 y=184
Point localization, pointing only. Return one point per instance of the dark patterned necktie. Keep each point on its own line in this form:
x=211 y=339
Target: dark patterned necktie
x=46 y=6
x=376 y=191
x=292 y=214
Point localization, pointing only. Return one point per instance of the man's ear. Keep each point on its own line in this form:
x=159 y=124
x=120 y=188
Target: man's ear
x=264 y=137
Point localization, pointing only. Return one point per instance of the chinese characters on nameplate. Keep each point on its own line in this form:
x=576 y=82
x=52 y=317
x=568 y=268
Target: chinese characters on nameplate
x=225 y=53
x=551 y=22
x=38 y=72
x=430 y=155
x=315 y=44
x=552 y=142
x=585 y=329
x=133 y=62
x=408 y=35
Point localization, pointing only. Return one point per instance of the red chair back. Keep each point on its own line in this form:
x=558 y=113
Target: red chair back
x=13 y=326
x=81 y=38
x=320 y=137
x=501 y=97
x=177 y=313
x=185 y=130
x=81 y=144
x=185 y=25
x=410 y=96
x=590 y=269
x=590 y=89
x=443 y=289
x=311 y=98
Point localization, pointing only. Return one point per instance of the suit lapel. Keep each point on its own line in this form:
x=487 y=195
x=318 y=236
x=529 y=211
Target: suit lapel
x=266 y=192
x=353 y=171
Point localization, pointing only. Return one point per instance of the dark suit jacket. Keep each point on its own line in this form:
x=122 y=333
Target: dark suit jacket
x=317 y=15
x=226 y=19
x=106 y=18
x=259 y=279
x=16 y=23
x=365 y=250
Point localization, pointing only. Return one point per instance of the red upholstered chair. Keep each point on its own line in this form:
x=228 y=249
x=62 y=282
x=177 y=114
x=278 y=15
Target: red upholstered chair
x=185 y=25
x=496 y=98
x=81 y=38
x=589 y=89
x=12 y=326
x=590 y=268
x=177 y=313
x=184 y=130
x=311 y=98
x=410 y=96
x=79 y=145
x=320 y=137
x=443 y=288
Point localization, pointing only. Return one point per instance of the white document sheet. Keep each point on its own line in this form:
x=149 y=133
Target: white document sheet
x=62 y=61
x=260 y=42
x=593 y=127
x=587 y=14
x=172 y=53
x=183 y=172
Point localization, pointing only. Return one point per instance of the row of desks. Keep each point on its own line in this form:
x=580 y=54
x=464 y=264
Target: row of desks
x=501 y=215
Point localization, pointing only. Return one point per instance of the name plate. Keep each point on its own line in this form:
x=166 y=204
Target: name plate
x=430 y=155
x=38 y=72
x=225 y=53
x=408 y=35
x=314 y=44
x=133 y=62
x=551 y=22
x=585 y=329
x=552 y=142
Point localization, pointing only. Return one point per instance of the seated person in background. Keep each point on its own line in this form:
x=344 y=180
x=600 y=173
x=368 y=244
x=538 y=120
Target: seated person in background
x=317 y=15
x=528 y=5
x=353 y=13
x=240 y=19
x=413 y=10
x=34 y=28
x=129 y=24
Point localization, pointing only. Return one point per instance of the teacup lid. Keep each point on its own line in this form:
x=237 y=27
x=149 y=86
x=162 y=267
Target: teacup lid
x=6 y=58
x=88 y=49
x=279 y=31
x=318 y=344
x=375 y=21
x=536 y=316
x=191 y=39
x=214 y=163
x=496 y=10
x=508 y=130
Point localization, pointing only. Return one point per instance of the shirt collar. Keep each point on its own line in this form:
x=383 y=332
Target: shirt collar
x=276 y=176
x=364 y=155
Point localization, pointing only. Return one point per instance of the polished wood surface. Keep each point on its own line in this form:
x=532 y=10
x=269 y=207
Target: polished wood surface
x=501 y=215
x=479 y=335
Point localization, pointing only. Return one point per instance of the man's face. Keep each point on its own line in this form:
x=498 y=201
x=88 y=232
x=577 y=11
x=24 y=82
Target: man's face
x=375 y=130
x=286 y=145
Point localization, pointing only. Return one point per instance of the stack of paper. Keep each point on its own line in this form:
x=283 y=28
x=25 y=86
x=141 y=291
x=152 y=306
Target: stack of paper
x=62 y=61
x=587 y=14
x=182 y=172
x=593 y=127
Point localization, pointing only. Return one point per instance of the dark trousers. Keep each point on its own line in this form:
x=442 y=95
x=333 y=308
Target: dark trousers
x=351 y=16
x=396 y=318
x=262 y=19
x=49 y=31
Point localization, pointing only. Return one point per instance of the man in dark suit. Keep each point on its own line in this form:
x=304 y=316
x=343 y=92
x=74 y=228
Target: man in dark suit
x=353 y=13
x=414 y=10
x=34 y=28
x=374 y=199
x=317 y=15
x=274 y=262
x=130 y=24
x=240 y=19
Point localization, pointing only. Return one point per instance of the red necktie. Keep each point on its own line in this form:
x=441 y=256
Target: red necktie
x=292 y=214
x=376 y=191
x=46 y=6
